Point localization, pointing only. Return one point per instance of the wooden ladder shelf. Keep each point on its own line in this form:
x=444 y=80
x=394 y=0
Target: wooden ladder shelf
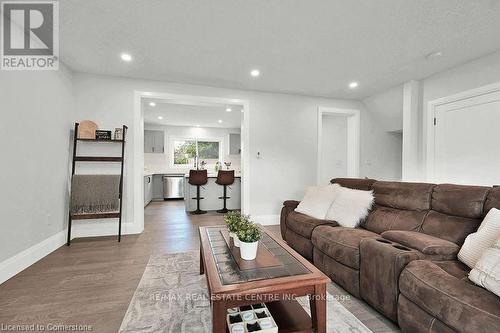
x=108 y=159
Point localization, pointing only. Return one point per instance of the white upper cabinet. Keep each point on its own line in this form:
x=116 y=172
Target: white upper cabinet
x=154 y=141
x=234 y=144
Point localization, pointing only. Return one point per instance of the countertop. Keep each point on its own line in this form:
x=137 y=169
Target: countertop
x=146 y=174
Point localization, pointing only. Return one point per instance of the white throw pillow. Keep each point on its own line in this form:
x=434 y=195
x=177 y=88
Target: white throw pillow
x=486 y=273
x=476 y=243
x=317 y=200
x=350 y=207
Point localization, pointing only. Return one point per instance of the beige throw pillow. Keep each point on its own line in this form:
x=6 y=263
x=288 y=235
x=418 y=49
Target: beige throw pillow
x=476 y=243
x=486 y=273
x=350 y=207
x=317 y=200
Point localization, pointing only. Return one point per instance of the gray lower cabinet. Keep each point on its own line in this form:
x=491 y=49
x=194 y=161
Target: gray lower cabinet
x=157 y=187
x=154 y=141
x=148 y=190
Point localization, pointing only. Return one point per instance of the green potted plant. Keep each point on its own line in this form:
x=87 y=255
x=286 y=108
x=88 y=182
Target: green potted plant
x=233 y=221
x=249 y=235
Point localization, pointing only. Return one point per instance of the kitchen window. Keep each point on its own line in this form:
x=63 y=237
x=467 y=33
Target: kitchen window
x=184 y=151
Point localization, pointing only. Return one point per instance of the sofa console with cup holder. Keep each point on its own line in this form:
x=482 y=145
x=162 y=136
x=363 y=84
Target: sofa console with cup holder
x=402 y=259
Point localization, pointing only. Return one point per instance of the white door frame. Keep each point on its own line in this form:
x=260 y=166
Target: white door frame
x=353 y=138
x=431 y=113
x=138 y=138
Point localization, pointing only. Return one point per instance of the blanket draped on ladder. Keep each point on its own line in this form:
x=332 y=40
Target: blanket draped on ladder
x=95 y=194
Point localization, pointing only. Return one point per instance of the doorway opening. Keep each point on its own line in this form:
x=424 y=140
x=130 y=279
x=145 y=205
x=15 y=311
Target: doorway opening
x=178 y=133
x=338 y=144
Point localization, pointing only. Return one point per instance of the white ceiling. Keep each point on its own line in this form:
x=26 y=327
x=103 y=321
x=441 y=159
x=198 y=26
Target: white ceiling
x=191 y=115
x=306 y=47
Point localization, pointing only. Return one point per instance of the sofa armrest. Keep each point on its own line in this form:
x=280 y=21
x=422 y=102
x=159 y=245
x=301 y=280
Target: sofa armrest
x=459 y=304
x=427 y=244
x=288 y=207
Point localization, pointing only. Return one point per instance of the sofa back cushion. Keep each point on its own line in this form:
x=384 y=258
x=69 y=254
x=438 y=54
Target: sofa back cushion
x=459 y=200
x=456 y=211
x=364 y=184
x=406 y=196
x=492 y=200
x=451 y=228
x=399 y=206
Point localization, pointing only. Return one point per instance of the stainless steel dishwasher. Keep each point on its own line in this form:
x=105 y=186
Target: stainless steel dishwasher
x=173 y=186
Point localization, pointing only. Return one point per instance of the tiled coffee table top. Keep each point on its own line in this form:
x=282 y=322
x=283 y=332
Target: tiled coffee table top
x=229 y=271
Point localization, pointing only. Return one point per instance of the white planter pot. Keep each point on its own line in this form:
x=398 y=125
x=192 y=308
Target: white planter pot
x=236 y=241
x=248 y=251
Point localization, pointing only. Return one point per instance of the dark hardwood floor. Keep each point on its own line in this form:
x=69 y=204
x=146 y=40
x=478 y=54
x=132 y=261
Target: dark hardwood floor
x=92 y=282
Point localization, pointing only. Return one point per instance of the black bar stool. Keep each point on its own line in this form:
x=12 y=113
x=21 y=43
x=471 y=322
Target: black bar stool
x=198 y=178
x=225 y=178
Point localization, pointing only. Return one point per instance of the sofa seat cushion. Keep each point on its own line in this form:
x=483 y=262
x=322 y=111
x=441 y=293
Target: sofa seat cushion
x=460 y=305
x=304 y=224
x=427 y=244
x=340 y=243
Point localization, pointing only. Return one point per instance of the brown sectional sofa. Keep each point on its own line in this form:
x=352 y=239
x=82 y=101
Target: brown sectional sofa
x=402 y=259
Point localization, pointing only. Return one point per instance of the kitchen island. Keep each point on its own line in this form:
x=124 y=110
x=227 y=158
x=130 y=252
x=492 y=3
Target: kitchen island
x=211 y=193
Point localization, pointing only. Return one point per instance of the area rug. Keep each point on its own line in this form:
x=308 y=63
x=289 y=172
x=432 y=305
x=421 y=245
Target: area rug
x=173 y=297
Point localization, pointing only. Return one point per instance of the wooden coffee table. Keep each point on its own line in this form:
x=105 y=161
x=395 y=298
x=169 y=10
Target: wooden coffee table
x=276 y=277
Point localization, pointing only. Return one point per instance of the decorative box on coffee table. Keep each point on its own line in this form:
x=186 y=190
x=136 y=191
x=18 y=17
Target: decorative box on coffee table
x=276 y=277
x=251 y=318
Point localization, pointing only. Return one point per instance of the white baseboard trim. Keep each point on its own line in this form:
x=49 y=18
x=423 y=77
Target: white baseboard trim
x=266 y=219
x=102 y=229
x=26 y=258
x=17 y=263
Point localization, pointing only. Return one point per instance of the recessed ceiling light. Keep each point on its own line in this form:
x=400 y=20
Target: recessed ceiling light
x=228 y=110
x=219 y=121
x=434 y=55
x=353 y=85
x=152 y=104
x=160 y=117
x=126 y=57
x=255 y=72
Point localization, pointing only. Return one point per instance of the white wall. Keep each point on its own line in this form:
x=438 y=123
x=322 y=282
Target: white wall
x=412 y=114
x=381 y=131
x=37 y=113
x=333 y=148
x=283 y=128
x=160 y=163
x=387 y=107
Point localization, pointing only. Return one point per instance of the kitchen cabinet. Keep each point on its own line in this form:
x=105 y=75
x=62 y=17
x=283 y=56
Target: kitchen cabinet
x=154 y=141
x=157 y=187
x=148 y=190
x=211 y=193
x=234 y=144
